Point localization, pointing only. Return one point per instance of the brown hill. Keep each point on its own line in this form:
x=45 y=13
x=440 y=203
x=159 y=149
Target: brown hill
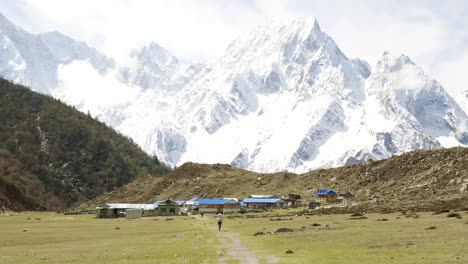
x=418 y=179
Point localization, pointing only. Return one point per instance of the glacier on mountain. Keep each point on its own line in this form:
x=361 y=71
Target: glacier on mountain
x=284 y=97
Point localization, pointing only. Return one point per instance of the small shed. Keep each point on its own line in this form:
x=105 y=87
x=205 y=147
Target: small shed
x=292 y=200
x=326 y=195
x=348 y=199
x=134 y=213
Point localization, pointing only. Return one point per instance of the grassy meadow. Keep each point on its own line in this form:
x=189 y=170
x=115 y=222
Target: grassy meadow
x=379 y=238
x=58 y=238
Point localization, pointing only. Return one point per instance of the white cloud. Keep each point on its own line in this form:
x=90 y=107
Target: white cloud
x=430 y=32
x=453 y=74
x=81 y=84
x=408 y=78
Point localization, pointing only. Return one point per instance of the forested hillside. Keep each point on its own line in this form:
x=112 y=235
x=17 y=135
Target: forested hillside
x=52 y=156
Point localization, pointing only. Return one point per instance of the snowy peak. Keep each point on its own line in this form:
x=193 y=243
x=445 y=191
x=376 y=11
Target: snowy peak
x=155 y=67
x=154 y=54
x=291 y=41
x=410 y=94
x=40 y=55
x=294 y=56
x=391 y=63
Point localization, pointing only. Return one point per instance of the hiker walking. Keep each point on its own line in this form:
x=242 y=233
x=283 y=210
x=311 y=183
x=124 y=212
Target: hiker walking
x=219 y=217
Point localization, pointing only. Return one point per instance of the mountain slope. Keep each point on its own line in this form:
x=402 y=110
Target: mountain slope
x=279 y=76
x=415 y=180
x=52 y=156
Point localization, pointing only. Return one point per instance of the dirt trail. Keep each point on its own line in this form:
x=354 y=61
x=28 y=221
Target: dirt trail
x=232 y=244
x=235 y=249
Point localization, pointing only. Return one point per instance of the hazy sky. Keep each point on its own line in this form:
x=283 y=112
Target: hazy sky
x=433 y=33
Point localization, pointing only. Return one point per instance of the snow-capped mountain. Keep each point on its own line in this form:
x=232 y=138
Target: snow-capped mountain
x=32 y=60
x=284 y=97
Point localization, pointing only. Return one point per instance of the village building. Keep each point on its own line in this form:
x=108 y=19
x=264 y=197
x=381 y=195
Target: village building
x=292 y=200
x=167 y=207
x=231 y=205
x=263 y=196
x=312 y=203
x=106 y=212
x=326 y=196
x=188 y=206
x=113 y=210
x=263 y=203
x=218 y=205
x=347 y=199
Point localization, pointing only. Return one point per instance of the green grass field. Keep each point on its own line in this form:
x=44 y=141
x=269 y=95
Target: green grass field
x=57 y=238
x=401 y=239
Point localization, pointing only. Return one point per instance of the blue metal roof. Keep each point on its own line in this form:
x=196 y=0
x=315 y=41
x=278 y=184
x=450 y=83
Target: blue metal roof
x=211 y=201
x=193 y=199
x=260 y=200
x=157 y=202
x=325 y=192
x=179 y=202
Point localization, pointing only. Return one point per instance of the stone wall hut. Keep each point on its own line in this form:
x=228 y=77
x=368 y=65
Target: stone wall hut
x=347 y=198
x=104 y=211
x=312 y=203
